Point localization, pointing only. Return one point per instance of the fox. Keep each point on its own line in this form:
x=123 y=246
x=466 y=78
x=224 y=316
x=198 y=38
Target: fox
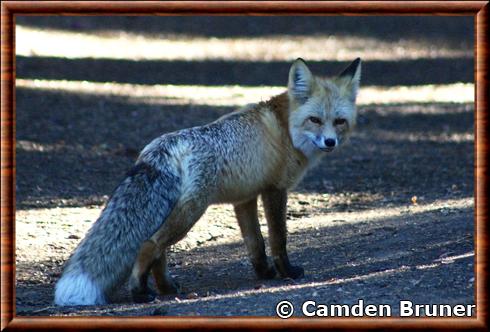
x=262 y=149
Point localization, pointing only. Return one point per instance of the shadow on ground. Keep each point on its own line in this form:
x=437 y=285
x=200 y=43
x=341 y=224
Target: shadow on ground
x=390 y=28
x=79 y=147
x=379 y=73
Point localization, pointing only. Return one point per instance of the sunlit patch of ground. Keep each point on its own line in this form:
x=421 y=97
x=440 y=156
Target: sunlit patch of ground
x=122 y=45
x=426 y=137
x=241 y=95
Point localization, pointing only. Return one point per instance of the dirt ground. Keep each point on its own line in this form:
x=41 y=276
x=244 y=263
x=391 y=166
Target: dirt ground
x=387 y=218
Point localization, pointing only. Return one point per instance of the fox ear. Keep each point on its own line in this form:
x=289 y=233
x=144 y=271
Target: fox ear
x=300 y=81
x=350 y=78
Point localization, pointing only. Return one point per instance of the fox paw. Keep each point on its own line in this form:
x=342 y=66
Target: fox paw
x=286 y=270
x=170 y=288
x=294 y=272
x=143 y=295
x=268 y=272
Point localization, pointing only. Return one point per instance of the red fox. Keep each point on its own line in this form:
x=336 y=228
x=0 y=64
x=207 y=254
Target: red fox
x=262 y=150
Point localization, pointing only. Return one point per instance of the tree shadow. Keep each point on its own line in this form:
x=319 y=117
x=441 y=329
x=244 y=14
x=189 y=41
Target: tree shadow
x=78 y=148
x=246 y=73
x=453 y=30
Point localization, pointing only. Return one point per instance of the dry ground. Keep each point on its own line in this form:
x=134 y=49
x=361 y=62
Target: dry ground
x=389 y=217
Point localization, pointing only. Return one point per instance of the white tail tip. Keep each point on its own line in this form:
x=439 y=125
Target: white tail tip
x=78 y=289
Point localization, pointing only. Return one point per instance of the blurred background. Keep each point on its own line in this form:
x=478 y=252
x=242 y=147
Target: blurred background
x=91 y=92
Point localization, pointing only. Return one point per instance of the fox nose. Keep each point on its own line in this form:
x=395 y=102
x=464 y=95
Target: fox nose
x=330 y=142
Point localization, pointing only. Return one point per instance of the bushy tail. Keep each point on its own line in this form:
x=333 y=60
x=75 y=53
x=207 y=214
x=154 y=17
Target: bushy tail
x=104 y=258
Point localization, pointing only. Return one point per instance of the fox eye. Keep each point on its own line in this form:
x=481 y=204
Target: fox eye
x=315 y=120
x=339 y=122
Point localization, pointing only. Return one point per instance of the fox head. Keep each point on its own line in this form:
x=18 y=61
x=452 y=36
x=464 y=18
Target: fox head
x=322 y=111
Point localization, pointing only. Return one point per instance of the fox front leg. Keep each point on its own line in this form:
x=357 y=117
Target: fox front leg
x=275 y=201
x=246 y=213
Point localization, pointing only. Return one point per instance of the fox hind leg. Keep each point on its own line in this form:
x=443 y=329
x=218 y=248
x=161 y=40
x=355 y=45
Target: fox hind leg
x=138 y=282
x=160 y=273
x=152 y=255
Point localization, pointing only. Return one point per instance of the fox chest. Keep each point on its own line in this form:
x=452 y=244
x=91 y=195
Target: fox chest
x=293 y=174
